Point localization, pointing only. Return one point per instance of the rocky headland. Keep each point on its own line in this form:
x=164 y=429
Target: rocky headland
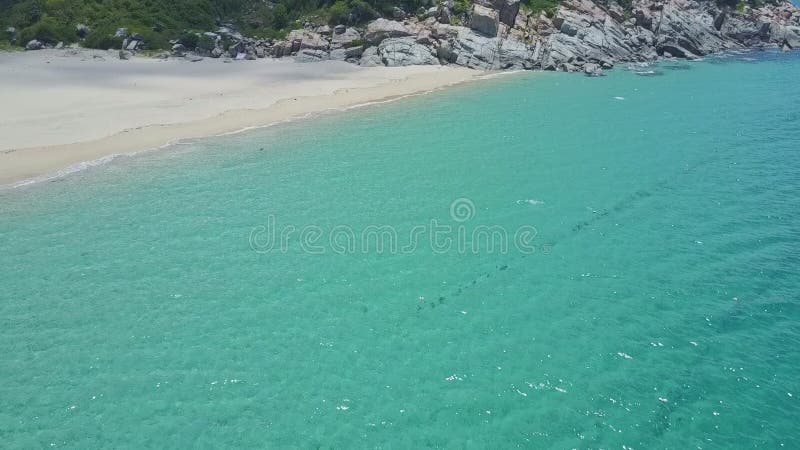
x=580 y=35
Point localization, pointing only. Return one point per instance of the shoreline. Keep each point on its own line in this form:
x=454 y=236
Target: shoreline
x=347 y=89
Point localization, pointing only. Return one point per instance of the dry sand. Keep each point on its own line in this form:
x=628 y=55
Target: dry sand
x=63 y=108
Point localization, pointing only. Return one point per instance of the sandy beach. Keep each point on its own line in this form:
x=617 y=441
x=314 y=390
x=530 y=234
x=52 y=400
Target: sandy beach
x=63 y=108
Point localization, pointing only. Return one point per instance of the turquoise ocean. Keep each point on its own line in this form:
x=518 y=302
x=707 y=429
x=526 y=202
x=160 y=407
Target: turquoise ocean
x=654 y=303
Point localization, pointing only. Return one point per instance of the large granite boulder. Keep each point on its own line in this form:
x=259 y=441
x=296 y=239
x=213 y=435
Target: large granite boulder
x=509 y=9
x=592 y=70
x=370 y=58
x=484 y=20
x=34 y=44
x=82 y=30
x=473 y=50
x=586 y=33
x=308 y=40
x=311 y=55
x=381 y=29
x=346 y=38
x=785 y=34
x=406 y=52
x=352 y=54
x=514 y=55
x=178 y=49
x=688 y=29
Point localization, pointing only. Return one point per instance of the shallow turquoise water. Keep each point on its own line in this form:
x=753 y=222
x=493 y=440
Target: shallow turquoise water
x=659 y=308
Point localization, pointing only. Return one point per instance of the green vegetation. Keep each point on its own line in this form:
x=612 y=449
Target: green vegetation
x=547 y=6
x=159 y=21
x=461 y=7
x=740 y=5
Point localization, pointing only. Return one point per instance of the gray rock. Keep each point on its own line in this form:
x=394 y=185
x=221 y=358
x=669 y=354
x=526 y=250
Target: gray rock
x=484 y=20
x=353 y=53
x=568 y=29
x=719 y=20
x=446 y=54
x=178 y=50
x=308 y=39
x=475 y=50
x=688 y=32
x=643 y=19
x=133 y=45
x=370 y=58
x=194 y=58
x=675 y=51
x=82 y=30
x=587 y=33
x=508 y=12
x=381 y=29
x=34 y=44
x=217 y=52
x=398 y=14
x=338 y=54
x=339 y=29
x=785 y=34
x=121 y=32
x=515 y=55
x=592 y=70
x=347 y=38
x=405 y=52
x=311 y=55
x=59 y=46
x=443 y=15
x=616 y=12
x=125 y=55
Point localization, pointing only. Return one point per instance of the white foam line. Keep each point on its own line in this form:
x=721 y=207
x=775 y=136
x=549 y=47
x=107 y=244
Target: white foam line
x=85 y=165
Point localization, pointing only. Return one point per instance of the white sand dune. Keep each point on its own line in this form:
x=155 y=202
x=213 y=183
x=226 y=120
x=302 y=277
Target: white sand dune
x=61 y=108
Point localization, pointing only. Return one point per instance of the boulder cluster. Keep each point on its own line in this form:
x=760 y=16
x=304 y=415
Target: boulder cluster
x=581 y=35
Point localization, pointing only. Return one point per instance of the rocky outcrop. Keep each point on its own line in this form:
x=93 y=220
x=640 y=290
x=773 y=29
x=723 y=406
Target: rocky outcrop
x=406 y=52
x=687 y=30
x=485 y=21
x=382 y=29
x=34 y=44
x=370 y=58
x=509 y=9
x=586 y=36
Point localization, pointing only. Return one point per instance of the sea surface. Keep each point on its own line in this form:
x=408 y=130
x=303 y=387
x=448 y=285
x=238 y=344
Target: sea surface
x=537 y=260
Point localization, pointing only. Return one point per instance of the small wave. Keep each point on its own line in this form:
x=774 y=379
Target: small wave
x=75 y=168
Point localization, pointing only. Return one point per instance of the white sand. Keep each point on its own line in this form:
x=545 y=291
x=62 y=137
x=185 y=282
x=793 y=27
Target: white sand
x=61 y=108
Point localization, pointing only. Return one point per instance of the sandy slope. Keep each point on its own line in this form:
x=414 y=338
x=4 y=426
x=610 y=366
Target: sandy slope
x=60 y=108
